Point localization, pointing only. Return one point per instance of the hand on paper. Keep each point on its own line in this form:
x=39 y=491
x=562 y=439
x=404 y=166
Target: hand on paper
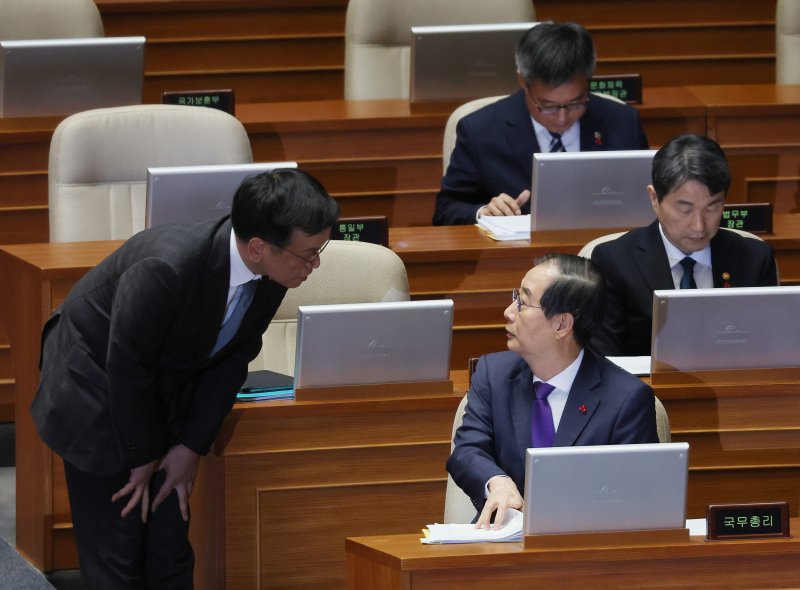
x=503 y=494
x=506 y=205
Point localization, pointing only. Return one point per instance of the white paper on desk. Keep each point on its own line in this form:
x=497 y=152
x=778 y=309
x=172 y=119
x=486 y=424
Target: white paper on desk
x=467 y=533
x=506 y=227
x=635 y=365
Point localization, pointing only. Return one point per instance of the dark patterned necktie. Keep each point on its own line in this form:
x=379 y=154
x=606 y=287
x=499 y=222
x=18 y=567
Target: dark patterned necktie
x=555 y=143
x=687 y=280
x=543 y=432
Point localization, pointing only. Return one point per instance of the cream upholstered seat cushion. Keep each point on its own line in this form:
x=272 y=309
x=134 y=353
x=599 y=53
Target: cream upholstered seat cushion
x=49 y=19
x=465 y=109
x=99 y=160
x=787 y=42
x=349 y=272
x=378 y=37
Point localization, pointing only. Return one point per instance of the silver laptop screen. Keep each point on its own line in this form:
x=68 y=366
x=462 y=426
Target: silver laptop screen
x=605 y=488
x=712 y=329
x=462 y=62
x=180 y=194
x=64 y=76
x=361 y=343
x=576 y=190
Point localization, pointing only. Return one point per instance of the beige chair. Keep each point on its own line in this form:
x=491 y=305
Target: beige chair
x=378 y=37
x=49 y=19
x=449 y=142
x=787 y=42
x=99 y=160
x=349 y=272
x=587 y=249
x=458 y=508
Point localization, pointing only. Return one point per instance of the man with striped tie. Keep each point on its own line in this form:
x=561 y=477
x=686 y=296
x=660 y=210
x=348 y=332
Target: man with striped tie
x=684 y=248
x=490 y=168
x=142 y=362
x=546 y=389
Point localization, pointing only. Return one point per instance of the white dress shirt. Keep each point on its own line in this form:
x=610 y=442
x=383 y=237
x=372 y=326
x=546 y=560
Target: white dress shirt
x=703 y=276
x=240 y=275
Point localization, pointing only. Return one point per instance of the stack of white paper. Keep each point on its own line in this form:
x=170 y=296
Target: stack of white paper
x=509 y=227
x=467 y=533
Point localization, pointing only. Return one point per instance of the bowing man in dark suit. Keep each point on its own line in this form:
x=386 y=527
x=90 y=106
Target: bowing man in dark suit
x=142 y=362
x=490 y=168
x=690 y=179
x=547 y=389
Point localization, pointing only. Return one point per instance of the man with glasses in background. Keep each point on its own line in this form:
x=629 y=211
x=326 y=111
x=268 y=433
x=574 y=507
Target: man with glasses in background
x=143 y=360
x=546 y=389
x=490 y=168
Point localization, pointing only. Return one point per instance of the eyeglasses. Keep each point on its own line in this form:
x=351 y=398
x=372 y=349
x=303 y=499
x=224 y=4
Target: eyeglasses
x=570 y=107
x=516 y=297
x=308 y=261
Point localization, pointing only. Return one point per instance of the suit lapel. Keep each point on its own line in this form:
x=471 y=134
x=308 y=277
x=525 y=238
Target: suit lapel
x=591 y=129
x=651 y=259
x=581 y=404
x=217 y=281
x=521 y=402
x=722 y=258
x=519 y=133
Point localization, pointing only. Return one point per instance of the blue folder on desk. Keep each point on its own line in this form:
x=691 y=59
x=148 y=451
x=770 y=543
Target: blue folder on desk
x=266 y=385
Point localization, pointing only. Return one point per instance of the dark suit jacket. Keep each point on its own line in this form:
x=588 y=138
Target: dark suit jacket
x=126 y=371
x=635 y=264
x=496 y=431
x=495 y=146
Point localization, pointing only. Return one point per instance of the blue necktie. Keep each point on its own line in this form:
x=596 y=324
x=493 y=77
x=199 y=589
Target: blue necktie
x=231 y=323
x=543 y=433
x=555 y=143
x=687 y=280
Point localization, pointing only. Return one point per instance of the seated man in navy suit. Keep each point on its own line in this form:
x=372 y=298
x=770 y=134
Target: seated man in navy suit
x=547 y=389
x=683 y=248
x=490 y=168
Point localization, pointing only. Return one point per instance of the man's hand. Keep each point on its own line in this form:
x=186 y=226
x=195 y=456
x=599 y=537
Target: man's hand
x=138 y=483
x=180 y=465
x=506 y=205
x=503 y=494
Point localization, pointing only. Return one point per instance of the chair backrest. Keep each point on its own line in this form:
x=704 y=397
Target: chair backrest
x=99 y=160
x=787 y=42
x=49 y=19
x=377 y=50
x=349 y=272
x=465 y=109
x=458 y=507
x=587 y=249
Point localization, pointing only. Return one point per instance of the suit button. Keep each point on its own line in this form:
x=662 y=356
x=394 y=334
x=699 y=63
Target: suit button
x=132 y=448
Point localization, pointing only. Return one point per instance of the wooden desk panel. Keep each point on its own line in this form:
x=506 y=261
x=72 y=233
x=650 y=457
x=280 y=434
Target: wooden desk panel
x=402 y=562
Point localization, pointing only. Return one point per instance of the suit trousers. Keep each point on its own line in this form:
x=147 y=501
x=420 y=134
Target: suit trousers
x=125 y=553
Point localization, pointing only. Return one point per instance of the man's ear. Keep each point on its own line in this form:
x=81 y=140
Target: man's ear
x=651 y=192
x=256 y=249
x=564 y=325
x=521 y=81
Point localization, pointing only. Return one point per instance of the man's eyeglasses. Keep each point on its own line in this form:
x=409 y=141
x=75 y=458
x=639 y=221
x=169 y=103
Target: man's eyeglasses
x=309 y=261
x=553 y=109
x=517 y=298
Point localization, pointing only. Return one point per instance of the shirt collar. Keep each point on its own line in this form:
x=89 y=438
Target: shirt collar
x=674 y=254
x=565 y=378
x=240 y=274
x=571 y=138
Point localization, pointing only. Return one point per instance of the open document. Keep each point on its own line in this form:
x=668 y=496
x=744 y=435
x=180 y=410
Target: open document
x=467 y=533
x=506 y=227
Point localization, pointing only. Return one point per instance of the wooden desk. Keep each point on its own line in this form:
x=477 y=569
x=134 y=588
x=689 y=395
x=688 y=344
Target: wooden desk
x=344 y=460
x=402 y=562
